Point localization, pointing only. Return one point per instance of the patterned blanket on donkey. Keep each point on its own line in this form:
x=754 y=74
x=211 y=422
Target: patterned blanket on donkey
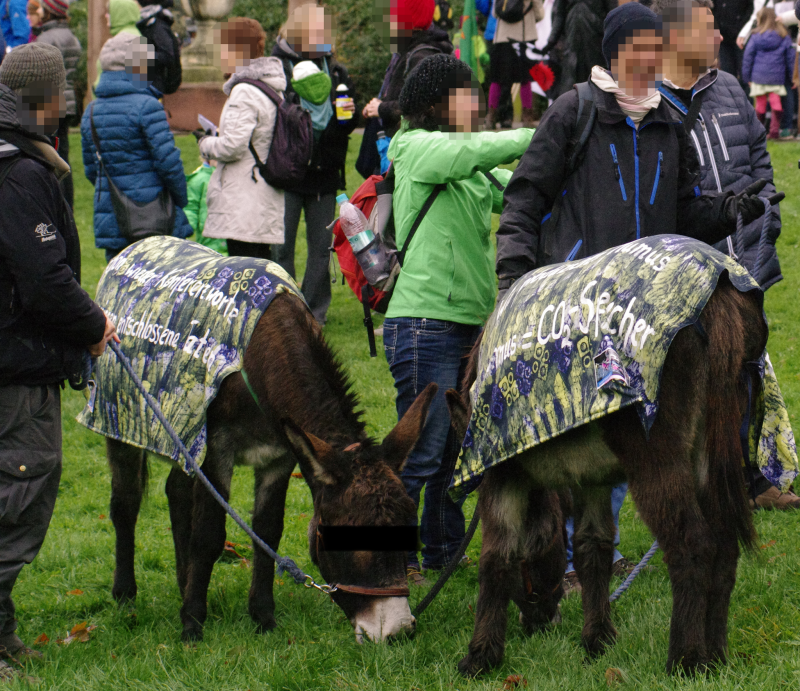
x=574 y=342
x=185 y=315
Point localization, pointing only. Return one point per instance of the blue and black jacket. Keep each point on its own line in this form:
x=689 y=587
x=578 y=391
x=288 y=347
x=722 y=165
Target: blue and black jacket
x=629 y=183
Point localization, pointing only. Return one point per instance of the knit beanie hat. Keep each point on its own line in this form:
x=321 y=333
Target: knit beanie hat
x=430 y=81
x=622 y=22
x=412 y=14
x=58 y=8
x=123 y=50
x=33 y=63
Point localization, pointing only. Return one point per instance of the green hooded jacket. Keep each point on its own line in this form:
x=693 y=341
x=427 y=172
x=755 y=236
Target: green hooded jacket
x=448 y=272
x=123 y=15
x=197 y=209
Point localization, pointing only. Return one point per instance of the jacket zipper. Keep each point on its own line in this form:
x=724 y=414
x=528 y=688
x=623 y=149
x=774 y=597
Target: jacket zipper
x=716 y=177
x=574 y=251
x=721 y=140
x=699 y=150
x=659 y=174
x=636 y=176
x=618 y=172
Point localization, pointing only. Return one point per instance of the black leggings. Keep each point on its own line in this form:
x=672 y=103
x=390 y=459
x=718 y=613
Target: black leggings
x=258 y=250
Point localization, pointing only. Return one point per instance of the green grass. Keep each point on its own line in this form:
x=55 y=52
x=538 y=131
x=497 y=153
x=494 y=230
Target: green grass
x=313 y=646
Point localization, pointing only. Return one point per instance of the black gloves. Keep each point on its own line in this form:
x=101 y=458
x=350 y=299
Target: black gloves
x=748 y=203
x=200 y=134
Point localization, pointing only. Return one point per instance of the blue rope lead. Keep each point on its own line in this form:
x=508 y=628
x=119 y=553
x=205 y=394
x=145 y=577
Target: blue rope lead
x=283 y=563
x=619 y=592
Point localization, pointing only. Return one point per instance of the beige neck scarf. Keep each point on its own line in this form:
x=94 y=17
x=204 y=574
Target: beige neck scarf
x=634 y=107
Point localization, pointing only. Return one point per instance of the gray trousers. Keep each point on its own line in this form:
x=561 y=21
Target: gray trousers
x=30 y=470
x=319 y=210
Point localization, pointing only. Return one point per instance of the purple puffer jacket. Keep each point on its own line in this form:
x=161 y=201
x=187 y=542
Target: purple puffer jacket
x=768 y=59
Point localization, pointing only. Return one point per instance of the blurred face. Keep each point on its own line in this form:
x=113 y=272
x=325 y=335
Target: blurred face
x=232 y=58
x=40 y=107
x=637 y=66
x=35 y=18
x=462 y=110
x=309 y=31
x=695 y=42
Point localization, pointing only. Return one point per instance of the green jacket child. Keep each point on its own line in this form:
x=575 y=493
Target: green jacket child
x=197 y=209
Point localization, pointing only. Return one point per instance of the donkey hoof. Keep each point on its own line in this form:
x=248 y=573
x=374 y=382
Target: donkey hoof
x=472 y=665
x=123 y=596
x=598 y=642
x=690 y=666
x=265 y=624
x=192 y=634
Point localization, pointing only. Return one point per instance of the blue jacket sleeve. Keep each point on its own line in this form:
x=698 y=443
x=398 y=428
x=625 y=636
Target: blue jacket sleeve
x=18 y=19
x=747 y=60
x=166 y=156
x=484 y=7
x=89 y=160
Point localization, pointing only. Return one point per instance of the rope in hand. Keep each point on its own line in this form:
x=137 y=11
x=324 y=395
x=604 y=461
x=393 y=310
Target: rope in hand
x=283 y=563
x=762 y=242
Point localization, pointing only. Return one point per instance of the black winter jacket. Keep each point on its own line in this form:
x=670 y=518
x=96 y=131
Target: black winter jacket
x=413 y=51
x=166 y=73
x=629 y=184
x=731 y=146
x=731 y=16
x=57 y=33
x=326 y=174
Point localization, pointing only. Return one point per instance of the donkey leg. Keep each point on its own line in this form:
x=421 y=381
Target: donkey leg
x=503 y=505
x=543 y=563
x=723 y=580
x=179 y=492
x=207 y=540
x=271 y=485
x=128 y=479
x=593 y=553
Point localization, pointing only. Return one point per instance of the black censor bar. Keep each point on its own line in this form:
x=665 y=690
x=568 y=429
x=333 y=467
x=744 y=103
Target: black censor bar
x=358 y=538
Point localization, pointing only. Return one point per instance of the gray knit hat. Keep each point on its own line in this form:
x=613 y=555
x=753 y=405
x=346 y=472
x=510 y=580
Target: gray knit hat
x=123 y=50
x=33 y=63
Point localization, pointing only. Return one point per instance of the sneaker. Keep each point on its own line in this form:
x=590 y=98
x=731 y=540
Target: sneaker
x=786 y=135
x=12 y=648
x=773 y=498
x=622 y=568
x=571 y=584
x=415 y=576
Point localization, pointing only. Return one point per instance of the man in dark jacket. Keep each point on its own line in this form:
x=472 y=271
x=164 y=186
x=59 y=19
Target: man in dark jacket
x=47 y=321
x=54 y=30
x=731 y=16
x=166 y=73
x=732 y=148
x=315 y=196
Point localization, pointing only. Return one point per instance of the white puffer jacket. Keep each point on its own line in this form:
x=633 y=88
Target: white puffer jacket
x=241 y=206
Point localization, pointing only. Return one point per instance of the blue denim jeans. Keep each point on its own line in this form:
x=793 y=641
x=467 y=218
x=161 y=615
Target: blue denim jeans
x=617 y=498
x=420 y=351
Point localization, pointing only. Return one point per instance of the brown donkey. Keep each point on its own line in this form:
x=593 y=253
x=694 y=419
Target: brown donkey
x=308 y=415
x=686 y=481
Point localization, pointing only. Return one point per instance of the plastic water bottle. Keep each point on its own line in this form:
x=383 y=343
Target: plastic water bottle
x=342 y=100
x=383 y=149
x=369 y=251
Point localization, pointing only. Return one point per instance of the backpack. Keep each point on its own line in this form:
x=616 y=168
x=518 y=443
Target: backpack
x=159 y=34
x=511 y=11
x=292 y=142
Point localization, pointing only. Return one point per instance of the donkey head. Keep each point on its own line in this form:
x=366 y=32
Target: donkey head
x=359 y=497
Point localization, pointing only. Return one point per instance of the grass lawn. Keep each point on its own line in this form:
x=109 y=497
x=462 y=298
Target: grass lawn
x=313 y=646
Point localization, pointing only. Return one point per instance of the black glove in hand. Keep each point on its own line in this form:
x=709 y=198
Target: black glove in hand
x=749 y=204
x=200 y=134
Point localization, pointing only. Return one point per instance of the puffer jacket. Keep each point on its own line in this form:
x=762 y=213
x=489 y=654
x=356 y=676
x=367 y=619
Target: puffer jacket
x=768 y=59
x=138 y=150
x=731 y=147
x=524 y=30
x=326 y=173
x=57 y=33
x=241 y=205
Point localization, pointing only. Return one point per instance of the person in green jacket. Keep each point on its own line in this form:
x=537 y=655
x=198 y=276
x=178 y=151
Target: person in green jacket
x=446 y=288
x=197 y=209
x=122 y=16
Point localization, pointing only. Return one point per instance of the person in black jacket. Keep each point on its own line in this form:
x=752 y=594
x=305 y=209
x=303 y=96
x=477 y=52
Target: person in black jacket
x=47 y=321
x=308 y=39
x=732 y=147
x=638 y=175
x=155 y=25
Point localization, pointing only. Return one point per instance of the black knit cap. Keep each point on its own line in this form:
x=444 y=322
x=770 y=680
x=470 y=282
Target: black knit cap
x=622 y=22
x=430 y=81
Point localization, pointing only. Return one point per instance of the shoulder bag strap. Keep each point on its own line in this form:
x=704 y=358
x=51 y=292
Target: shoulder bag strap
x=491 y=178
x=272 y=95
x=694 y=111
x=420 y=216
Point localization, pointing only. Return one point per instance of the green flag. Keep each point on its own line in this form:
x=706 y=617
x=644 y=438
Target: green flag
x=466 y=38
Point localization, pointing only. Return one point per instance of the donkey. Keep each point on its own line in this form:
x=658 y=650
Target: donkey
x=306 y=412
x=686 y=481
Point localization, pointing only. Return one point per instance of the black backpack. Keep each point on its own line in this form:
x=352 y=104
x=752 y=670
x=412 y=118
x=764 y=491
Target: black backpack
x=511 y=11
x=166 y=74
x=292 y=142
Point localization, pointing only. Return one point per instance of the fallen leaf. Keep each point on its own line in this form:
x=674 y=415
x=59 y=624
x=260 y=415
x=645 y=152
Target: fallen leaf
x=772 y=559
x=514 y=681
x=614 y=676
x=77 y=591
x=79 y=632
x=102 y=516
x=302 y=515
x=300 y=475
x=42 y=639
x=769 y=544
x=244 y=563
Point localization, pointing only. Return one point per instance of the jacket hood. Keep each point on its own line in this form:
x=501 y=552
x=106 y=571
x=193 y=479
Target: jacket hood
x=8 y=109
x=52 y=24
x=120 y=83
x=123 y=13
x=268 y=70
x=769 y=40
x=284 y=50
x=148 y=12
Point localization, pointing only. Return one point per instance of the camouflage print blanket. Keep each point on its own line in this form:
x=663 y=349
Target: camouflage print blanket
x=185 y=315
x=574 y=342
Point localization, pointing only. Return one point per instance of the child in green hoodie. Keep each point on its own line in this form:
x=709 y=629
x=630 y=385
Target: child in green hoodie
x=122 y=16
x=197 y=209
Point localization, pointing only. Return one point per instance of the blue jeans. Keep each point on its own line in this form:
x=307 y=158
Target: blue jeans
x=617 y=498
x=420 y=351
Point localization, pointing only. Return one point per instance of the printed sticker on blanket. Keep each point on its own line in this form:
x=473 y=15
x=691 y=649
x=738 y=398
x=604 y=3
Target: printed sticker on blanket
x=574 y=342
x=184 y=315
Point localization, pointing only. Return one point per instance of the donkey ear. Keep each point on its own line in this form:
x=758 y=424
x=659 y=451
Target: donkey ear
x=459 y=417
x=311 y=451
x=401 y=440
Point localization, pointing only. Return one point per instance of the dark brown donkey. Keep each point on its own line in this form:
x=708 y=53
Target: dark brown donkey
x=686 y=481
x=309 y=416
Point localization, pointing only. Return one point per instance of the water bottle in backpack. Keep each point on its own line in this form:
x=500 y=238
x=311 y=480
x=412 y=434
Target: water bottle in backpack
x=370 y=252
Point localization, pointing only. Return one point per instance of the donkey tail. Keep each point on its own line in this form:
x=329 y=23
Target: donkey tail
x=737 y=334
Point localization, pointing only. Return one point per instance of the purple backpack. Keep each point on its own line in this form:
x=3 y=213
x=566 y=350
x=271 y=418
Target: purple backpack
x=292 y=142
